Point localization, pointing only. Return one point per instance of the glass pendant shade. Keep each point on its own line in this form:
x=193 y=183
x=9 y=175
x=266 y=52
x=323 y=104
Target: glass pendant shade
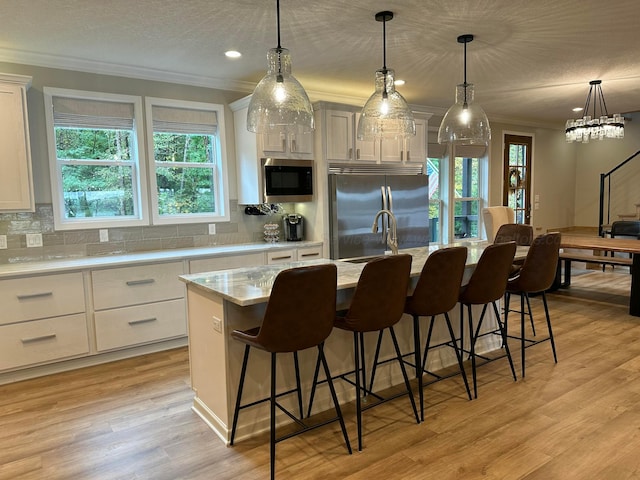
x=465 y=123
x=386 y=113
x=279 y=103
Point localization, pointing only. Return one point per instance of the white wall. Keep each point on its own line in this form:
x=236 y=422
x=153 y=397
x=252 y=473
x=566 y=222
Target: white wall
x=51 y=77
x=599 y=157
x=554 y=165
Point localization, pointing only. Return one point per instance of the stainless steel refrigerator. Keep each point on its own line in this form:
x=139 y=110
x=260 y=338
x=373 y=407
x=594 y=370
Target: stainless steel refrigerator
x=354 y=201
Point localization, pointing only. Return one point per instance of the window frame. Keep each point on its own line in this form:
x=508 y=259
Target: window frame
x=220 y=166
x=139 y=175
x=455 y=200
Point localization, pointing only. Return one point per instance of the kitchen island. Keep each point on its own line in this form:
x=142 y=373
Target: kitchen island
x=221 y=301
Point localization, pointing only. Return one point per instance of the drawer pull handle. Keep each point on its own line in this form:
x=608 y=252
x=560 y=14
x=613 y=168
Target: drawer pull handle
x=38 y=339
x=315 y=254
x=146 y=281
x=34 y=295
x=281 y=258
x=142 y=320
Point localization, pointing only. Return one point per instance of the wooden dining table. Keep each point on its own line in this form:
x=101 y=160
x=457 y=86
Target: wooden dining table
x=602 y=244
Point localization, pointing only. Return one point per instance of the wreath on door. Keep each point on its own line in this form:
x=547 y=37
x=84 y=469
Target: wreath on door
x=515 y=179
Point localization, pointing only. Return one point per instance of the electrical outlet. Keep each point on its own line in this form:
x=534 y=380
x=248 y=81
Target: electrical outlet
x=104 y=235
x=217 y=324
x=3 y=241
x=212 y=229
x=34 y=239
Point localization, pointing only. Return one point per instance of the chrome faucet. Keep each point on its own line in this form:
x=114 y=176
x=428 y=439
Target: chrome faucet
x=392 y=237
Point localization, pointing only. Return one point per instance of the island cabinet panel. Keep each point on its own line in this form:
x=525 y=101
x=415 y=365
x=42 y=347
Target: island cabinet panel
x=138 y=324
x=124 y=286
x=32 y=298
x=42 y=341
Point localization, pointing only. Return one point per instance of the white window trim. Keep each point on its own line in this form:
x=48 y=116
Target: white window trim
x=221 y=178
x=448 y=196
x=138 y=175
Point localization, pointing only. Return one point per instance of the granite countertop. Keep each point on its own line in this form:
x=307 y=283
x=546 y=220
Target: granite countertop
x=252 y=285
x=80 y=263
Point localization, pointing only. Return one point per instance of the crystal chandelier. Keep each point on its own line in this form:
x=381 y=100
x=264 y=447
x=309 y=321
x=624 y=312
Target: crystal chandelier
x=279 y=103
x=595 y=127
x=465 y=123
x=386 y=113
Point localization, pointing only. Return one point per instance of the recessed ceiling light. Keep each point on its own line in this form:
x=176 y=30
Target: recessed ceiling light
x=399 y=82
x=577 y=109
x=232 y=54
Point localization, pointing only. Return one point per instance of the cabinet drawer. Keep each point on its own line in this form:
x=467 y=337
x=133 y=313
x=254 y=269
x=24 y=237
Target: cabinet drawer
x=41 y=297
x=42 y=341
x=123 y=327
x=120 y=287
x=224 y=263
x=281 y=256
x=310 y=253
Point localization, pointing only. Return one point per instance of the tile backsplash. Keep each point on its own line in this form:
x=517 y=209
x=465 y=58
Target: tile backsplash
x=80 y=243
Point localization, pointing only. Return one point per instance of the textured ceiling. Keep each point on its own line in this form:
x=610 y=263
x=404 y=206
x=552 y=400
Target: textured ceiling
x=531 y=59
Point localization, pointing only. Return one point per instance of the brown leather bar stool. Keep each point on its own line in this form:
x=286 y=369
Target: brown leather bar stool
x=536 y=276
x=487 y=284
x=312 y=290
x=377 y=304
x=436 y=293
x=521 y=234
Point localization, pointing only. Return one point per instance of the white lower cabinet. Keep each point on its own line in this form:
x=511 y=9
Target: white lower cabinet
x=42 y=341
x=50 y=318
x=138 y=304
x=281 y=256
x=309 y=253
x=128 y=326
x=43 y=320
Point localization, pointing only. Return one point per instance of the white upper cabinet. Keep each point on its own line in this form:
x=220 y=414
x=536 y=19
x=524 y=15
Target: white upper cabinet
x=288 y=146
x=411 y=150
x=16 y=181
x=251 y=147
x=343 y=146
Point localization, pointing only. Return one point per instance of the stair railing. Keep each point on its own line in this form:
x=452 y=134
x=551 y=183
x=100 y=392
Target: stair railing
x=606 y=177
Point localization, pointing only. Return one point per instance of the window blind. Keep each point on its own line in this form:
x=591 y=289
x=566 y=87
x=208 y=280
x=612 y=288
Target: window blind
x=470 y=151
x=436 y=150
x=184 y=120
x=84 y=113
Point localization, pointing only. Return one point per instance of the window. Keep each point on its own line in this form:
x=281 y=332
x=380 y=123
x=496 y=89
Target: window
x=99 y=164
x=187 y=171
x=466 y=201
x=95 y=157
x=435 y=202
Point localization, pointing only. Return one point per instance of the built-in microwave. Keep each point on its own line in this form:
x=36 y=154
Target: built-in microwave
x=285 y=180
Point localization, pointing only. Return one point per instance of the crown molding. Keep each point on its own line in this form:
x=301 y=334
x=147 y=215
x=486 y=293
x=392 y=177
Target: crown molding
x=128 y=71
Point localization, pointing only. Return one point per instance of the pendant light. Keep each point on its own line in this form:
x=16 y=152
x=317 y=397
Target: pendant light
x=465 y=123
x=386 y=113
x=279 y=103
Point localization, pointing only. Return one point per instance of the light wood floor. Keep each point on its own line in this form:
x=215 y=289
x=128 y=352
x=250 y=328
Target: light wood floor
x=579 y=419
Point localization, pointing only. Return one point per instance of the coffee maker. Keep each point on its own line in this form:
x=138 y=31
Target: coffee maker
x=293 y=227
